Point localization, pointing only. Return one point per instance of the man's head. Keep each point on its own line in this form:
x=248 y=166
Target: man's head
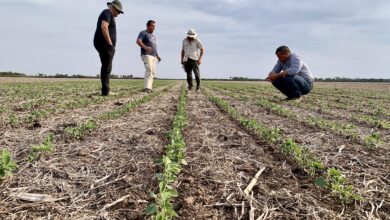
x=150 y=26
x=115 y=7
x=191 y=34
x=283 y=53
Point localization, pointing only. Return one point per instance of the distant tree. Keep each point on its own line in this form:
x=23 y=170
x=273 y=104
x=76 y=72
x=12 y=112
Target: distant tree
x=58 y=75
x=12 y=74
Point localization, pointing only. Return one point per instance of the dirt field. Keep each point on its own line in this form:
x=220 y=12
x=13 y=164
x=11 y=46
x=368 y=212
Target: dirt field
x=101 y=157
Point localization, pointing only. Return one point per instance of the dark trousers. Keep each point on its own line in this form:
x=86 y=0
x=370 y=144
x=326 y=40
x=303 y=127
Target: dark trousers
x=192 y=66
x=106 y=54
x=293 y=86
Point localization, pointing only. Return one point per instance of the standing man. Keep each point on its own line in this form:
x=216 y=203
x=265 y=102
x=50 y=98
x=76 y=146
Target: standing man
x=190 y=57
x=148 y=44
x=105 y=41
x=291 y=75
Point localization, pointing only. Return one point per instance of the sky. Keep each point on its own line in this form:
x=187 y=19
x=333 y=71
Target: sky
x=335 y=38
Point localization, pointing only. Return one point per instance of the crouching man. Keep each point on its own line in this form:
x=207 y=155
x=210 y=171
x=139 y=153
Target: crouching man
x=291 y=75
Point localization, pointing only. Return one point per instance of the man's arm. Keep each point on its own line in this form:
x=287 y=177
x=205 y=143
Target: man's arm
x=182 y=56
x=275 y=71
x=106 y=32
x=202 y=51
x=142 y=45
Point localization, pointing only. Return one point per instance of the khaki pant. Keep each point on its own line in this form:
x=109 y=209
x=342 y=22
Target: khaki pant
x=150 y=70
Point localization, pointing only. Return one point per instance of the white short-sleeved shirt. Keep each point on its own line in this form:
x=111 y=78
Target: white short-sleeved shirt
x=191 y=49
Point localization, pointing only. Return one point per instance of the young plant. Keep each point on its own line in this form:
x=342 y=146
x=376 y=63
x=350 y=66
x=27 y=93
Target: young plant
x=79 y=131
x=46 y=147
x=373 y=141
x=336 y=181
x=13 y=119
x=7 y=166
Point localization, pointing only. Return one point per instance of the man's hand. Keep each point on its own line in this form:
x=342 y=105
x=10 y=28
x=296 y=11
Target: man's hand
x=271 y=77
x=158 y=58
x=182 y=62
x=199 y=61
x=148 y=49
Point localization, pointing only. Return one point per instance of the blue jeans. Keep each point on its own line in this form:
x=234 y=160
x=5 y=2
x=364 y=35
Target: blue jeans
x=293 y=86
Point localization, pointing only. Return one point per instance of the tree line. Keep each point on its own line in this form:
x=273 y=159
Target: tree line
x=235 y=78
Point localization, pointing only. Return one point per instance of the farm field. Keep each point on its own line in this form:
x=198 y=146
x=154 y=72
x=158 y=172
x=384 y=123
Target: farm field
x=67 y=153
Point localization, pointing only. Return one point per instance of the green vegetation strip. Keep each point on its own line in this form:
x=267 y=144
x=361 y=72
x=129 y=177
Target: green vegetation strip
x=329 y=178
x=374 y=117
x=81 y=130
x=54 y=102
x=172 y=163
x=347 y=130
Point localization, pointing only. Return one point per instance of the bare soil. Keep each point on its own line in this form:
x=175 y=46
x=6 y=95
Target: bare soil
x=223 y=158
x=86 y=178
x=366 y=169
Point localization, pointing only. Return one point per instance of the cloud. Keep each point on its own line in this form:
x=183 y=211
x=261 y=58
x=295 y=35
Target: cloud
x=335 y=37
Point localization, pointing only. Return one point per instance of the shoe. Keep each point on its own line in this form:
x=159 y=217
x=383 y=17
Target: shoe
x=189 y=88
x=297 y=99
x=113 y=93
x=148 y=90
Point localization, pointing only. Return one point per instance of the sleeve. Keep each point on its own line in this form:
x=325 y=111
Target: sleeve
x=278 y=67
x=106 y=16
x=182 y=46
x=296 y=65
x=200 y=44
x=141 y=36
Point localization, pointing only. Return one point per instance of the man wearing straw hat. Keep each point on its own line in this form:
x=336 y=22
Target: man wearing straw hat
x=105 y=41
x=191 y=58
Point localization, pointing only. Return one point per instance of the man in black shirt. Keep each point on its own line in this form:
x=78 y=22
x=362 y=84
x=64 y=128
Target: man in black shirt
x=105 y=41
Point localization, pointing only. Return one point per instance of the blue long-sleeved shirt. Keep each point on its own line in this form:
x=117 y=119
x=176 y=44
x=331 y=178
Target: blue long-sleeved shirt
x=294 y=66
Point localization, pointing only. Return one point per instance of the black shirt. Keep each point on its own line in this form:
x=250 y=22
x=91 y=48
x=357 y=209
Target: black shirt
x=99 y=39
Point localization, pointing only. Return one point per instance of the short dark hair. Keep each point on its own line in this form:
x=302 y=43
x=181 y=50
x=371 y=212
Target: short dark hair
x=283 y=49
x=150 y=22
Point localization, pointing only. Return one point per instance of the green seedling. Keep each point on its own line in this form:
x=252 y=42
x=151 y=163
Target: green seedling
x=336 y=181
x=46 y=147
x=79 y=131
x=7 y=166
x=373 y=141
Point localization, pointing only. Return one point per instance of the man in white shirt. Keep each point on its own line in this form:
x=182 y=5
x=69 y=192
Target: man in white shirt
x=191 y=58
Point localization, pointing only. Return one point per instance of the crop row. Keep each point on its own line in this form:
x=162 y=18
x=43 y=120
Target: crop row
x=347 y=130
x=7 y=166
x=376 y=109
x=78 y=132
x=46 y=106
x=171 y=164
x=329 y=178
